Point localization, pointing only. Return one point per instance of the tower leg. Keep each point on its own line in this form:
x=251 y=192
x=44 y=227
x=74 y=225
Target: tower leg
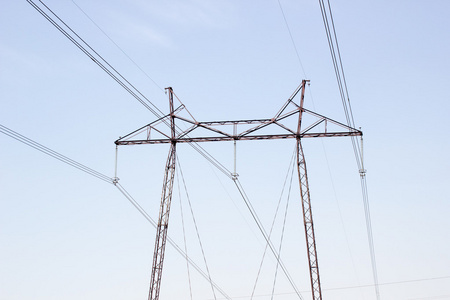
x=163 y=222
x=309 y=225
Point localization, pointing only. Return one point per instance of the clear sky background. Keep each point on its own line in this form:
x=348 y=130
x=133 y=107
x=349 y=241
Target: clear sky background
x=67 y=235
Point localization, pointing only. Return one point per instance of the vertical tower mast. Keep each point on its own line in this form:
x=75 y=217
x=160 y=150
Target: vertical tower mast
x=307 y=211
x=164 y=210
x=309 y=224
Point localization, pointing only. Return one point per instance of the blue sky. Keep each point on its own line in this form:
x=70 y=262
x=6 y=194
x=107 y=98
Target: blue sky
x=67 y=235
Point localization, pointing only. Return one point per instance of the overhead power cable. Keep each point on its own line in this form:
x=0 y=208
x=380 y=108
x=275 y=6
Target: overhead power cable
x=29 y=142
x=323 y=146
x=292 y=39
x=196 y=227
x=23 y=139
x=112 y=72
x=291 y=162
x=171 y=241
x=333 y=44
x=282 y=230
x=339 y=72
x=70 y=34
x=184 y=234
x=358 y=287
x=80 y=43
x=118 y=47
x=265 y=235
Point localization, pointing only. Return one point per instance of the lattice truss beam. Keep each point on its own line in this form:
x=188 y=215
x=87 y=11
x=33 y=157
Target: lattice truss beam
x=189 y=130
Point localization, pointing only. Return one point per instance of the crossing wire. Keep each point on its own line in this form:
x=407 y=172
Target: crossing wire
x=323 y=146
x=80 y=43
x=118 y=47
x=292 y=39
x=330 y=30
x=113 y=73
x=29 y=142
x=95 y=57
x=360 y=287
x=23 y=139
x=265 y=235
x=184 y=233
x=273 y=223
x=196 y=227
x=282 y=230
x=172 y=242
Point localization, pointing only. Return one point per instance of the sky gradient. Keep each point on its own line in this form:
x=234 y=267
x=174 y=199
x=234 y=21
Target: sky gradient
x=66 y=235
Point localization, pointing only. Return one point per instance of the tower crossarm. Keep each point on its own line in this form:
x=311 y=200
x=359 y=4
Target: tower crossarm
x=254 y=129
x=244 y=138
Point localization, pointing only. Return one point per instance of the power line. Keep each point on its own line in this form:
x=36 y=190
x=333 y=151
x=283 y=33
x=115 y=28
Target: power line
x=432 y=297
x=291 y=163
x=70 y=34
x=98 y=59
x=118 y=47
x=171 y=241
x=292 y=39
x=343 y=90
x=361 y=286
x=282 y=231
x=352 y=124
x=339 y=72
x=196 y=228
x=23 y=139
x=80 y=43
x=265 y=235
x=110 y=70
x=323 y=146
x=184 y=236
x=29 y=142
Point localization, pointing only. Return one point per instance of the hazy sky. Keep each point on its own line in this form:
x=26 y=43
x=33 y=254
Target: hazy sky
x=67 y=235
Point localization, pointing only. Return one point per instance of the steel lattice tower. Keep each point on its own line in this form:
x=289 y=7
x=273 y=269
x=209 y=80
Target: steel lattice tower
x=152 y=133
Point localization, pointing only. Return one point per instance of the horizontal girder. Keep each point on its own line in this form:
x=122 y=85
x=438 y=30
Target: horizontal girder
x=233 y=138
x=239 y=138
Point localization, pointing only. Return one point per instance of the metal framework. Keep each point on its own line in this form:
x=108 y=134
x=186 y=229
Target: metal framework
x=164 y=210
x=260 y=129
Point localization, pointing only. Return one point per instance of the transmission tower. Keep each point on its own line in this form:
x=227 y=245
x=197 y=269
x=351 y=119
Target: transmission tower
x=156 y=133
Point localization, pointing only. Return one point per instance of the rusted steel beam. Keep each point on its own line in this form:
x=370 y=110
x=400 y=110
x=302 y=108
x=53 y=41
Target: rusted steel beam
x=238 y=138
